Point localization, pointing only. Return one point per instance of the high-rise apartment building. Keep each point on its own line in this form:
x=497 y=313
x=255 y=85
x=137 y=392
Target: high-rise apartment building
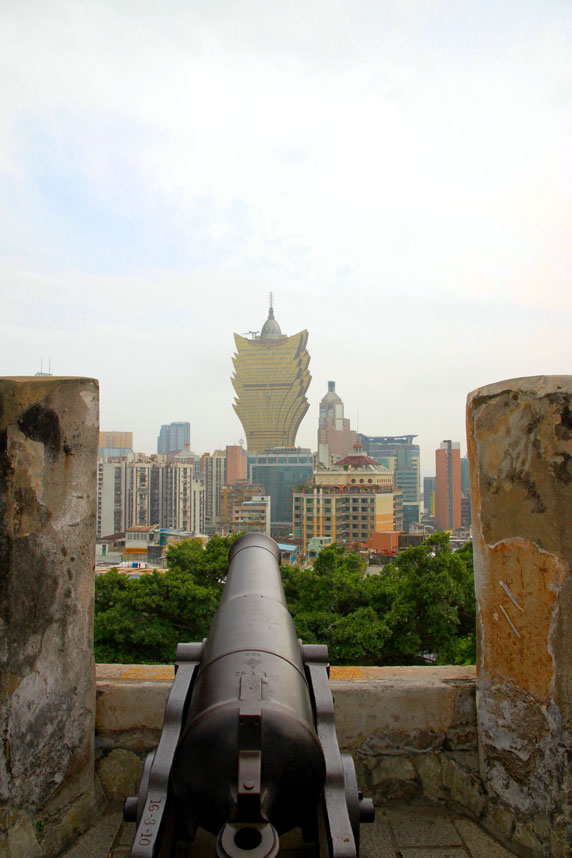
x=466 y=517
x=271 y=378
x=214 y=478
x=236 y=464
x=465 y=481
x=187 y=457
x=115 y=445
x=182 y=498
x=252 y=515
x=110 y=497
x=142 y=491
x=429 y=495
x=335 y=438
x=399 y=454
x=173 y=437
x=232 y=496
x=348 y=503
x=448 y=486
x=280 y=470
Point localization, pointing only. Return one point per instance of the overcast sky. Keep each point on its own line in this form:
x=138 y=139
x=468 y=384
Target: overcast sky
x=398 y=174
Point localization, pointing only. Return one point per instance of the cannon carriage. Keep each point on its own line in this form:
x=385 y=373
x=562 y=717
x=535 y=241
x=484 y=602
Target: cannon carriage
x=249 y=749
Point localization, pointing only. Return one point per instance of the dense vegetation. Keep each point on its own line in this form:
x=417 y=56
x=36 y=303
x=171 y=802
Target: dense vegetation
x=420 y=607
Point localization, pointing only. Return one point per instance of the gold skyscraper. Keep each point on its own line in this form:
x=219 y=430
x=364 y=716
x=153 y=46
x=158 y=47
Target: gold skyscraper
x=271 y=379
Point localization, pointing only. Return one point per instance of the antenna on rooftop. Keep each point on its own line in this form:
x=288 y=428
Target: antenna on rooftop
x=41 y=371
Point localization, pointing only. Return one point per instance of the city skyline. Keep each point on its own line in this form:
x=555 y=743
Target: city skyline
x=397 y=174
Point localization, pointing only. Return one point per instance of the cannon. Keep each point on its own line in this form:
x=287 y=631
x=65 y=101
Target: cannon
x=248 y=749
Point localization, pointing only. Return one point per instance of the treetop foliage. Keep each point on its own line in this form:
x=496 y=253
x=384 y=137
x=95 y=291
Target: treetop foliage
x=141 y=620
x=207 y=566
x=420 y=607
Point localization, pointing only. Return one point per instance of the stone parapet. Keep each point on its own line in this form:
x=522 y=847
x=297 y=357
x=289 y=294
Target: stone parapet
x=411 y=730
x=378 y=709
x=48 y=448
x=520 y=453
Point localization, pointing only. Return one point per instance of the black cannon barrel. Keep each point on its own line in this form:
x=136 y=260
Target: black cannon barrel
x=249 y=762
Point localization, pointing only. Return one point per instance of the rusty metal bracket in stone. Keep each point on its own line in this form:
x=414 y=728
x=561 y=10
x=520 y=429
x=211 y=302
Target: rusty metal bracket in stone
x=155 y=827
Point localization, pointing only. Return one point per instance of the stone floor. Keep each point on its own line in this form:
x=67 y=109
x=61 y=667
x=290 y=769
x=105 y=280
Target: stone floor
x=399 y=831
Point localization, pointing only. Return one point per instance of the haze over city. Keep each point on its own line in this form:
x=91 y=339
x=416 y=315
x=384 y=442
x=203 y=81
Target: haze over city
x=398 y=174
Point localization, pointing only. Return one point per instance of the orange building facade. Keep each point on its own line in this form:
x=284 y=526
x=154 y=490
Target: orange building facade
x=348 y=503
x=236 y=464
x=448 y=486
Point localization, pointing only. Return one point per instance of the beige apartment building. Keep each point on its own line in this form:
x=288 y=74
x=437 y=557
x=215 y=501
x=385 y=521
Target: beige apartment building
x=348 y=502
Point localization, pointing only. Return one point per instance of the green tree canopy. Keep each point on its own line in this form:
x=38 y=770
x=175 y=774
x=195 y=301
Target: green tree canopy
x=207 y=566
x=141 y=620
x=419 y=607
x=430 y=591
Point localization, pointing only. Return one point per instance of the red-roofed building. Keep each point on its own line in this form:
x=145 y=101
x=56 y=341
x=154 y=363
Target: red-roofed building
x=349 y=502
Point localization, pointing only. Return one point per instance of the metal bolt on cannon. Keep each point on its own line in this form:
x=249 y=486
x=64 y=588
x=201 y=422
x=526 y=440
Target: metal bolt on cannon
x=248 y=749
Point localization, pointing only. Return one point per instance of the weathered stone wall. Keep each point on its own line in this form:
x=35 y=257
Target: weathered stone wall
x=520 y=452
x=48 y=448
x=411 y=730
x=412 y=734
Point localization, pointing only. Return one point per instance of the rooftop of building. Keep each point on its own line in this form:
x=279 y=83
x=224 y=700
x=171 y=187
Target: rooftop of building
x=270 y=328
x=141 y=528
x=389 y=439
x=358 y=462
x=331 y=395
